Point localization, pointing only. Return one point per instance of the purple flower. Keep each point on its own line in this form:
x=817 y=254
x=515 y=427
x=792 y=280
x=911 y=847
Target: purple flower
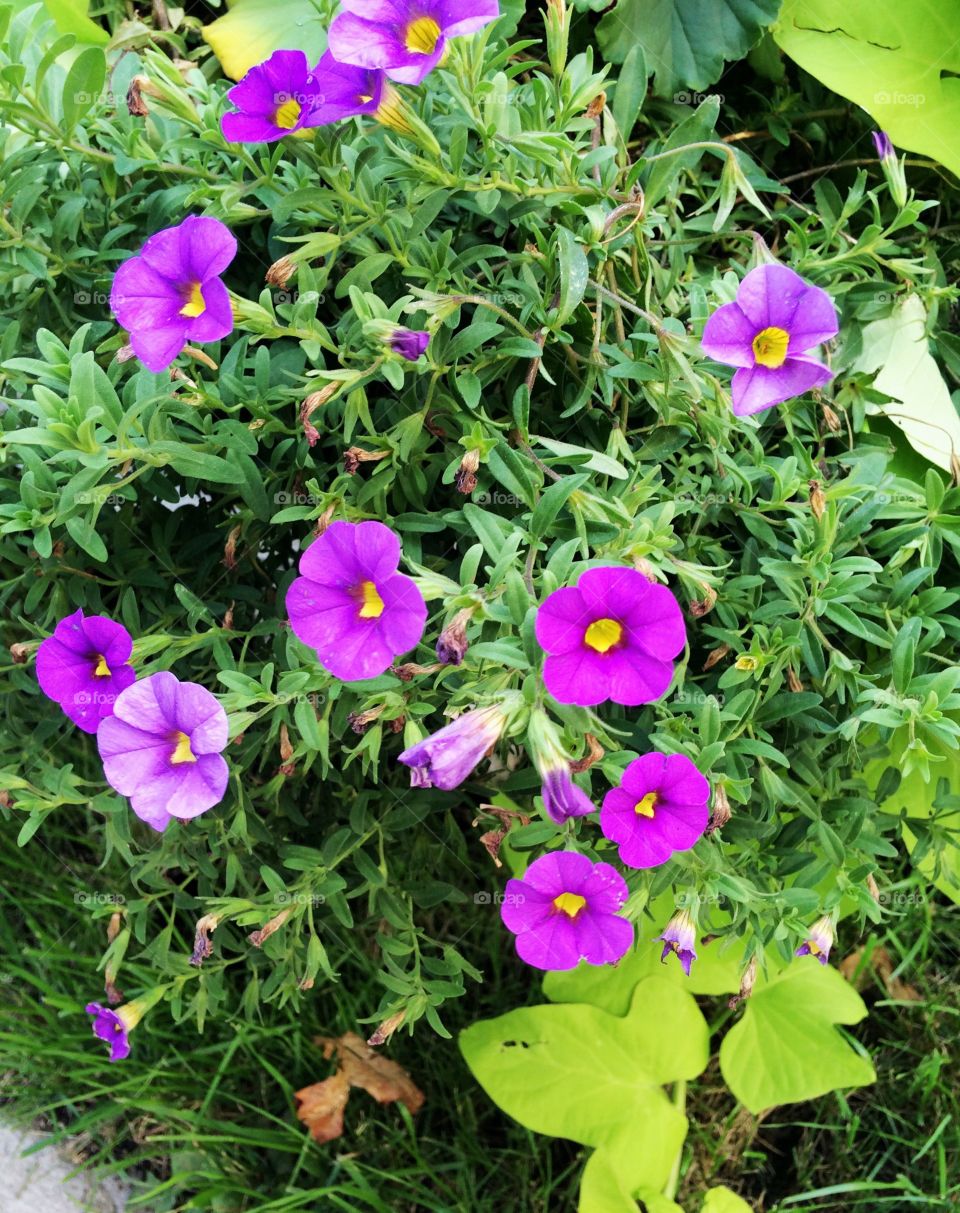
x=562 y=798
x=447 y=757
x=564 y=910
x=347 y=89
x=273 y=99
x=409 y=343
x=113 y=1027
x=406 y=37
x=170 y=292
x=351 y=604
x=819 y=940
x=660 y=807
x=84 y=666
x=161 y=748
x=679 y=936
x=775 y=319
x=613 y=636
x=881 y=141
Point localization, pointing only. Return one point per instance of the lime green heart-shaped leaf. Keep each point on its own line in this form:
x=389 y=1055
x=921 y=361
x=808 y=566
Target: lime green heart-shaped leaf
x=722 y=1200
x=69 y=17
x=900 y=63
x=685 y=42
x=785 y=1048
x=253 y=29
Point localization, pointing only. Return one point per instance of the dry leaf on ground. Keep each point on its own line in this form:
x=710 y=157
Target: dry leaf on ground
x=321 y=1105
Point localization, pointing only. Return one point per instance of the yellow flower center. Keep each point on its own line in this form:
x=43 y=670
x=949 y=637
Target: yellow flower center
x=182 y=751
x=392 y=112
x=570 y=904
x=365 y=98
x=101 y=670
x=770 y=347
x=813 y=948
x=645 y=807
x=193 y=304
x=603 y=634
x=287 y=115
x=371 y=604
x=422 y=36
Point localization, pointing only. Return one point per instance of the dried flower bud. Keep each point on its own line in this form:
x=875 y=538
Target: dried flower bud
x=135 y=102
x=20 y=652
x=747 y=981
x=720 y=812
x=642 y=565
x=466 y=478
x=873 y=888
x=355 y=455
x=409 y=670
x=230 y=548
x=703 y=606
x=596 y=106
x=452 y=642
x=280 y=273
x=595 y=752
x=818 y=503
x=716 y=655
x=259 y=938
x=831 y=420
x=387 y=1028
x=202 y=946
x=125 y=353
x=361 y=721
x=324 y=520
x=228 y=618
x=793 y=682
x=492 y=840
x=287 y=768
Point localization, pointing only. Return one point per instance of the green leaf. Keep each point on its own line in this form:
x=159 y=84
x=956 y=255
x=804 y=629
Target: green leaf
x=574 y=273
x=785 y=1049
x=900 y=66
x=895 y=348
x=70 y=17
x=575 y=1071
x=253 y=29
x=685 y=41
x=83 y=534
x=722 y=1200
x=83 y=85
x=698 y=128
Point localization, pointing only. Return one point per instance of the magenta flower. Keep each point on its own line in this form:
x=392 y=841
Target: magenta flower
x=113 y=1027
x=679 y=936
x=346 y=90
x=776 y=318
x=351 y=604
x=161 y=748
x=447 y=757
x=84 y=666
x=273 y=99
x=409 y=343
x=564 y=910
x=613 y=636
x=819 y=940
x=170 y=292
x=660 y=807
x=406 y=37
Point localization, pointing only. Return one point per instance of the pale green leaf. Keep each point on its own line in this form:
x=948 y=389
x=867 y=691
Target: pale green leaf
x=785 y=1048
x=896 y=349
x=899 y=62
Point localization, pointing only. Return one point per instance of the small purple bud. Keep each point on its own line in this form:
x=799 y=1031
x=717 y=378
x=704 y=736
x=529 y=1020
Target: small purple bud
x=409 y=343
x=881 y=141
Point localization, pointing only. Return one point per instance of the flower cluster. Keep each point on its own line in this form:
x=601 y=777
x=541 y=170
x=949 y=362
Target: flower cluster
x=160 y=739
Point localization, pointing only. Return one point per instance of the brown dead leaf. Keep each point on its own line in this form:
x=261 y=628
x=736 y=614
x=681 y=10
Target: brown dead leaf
x=881 y=963
x=321 y=1106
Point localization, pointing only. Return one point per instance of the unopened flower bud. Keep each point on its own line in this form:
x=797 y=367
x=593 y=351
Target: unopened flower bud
x=831 y=420
x=280 y=273
x=818 y=502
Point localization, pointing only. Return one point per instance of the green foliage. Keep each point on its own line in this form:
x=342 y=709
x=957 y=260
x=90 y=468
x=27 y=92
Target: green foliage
x=685 y=42
x=565 y=276
x=903 y=72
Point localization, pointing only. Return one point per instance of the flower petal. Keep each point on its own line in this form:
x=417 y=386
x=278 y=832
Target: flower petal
x=762 y=387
